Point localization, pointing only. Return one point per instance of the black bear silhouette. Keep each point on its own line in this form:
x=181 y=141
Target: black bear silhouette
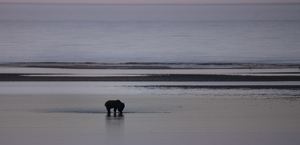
x=116 y=104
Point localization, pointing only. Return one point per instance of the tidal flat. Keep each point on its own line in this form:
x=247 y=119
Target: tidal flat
x=55 y=113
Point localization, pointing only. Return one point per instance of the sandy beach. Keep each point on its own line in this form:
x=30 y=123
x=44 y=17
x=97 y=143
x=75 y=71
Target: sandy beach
x=56 y=106
x=151 y=116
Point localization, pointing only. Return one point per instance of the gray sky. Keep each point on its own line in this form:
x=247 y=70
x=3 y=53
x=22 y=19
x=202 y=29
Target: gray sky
x=149 y=1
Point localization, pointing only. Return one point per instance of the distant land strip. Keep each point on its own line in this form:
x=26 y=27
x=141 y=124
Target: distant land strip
x=158 y=77
x=292 y=87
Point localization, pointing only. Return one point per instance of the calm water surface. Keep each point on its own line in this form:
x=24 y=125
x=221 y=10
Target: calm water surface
x=150 y=33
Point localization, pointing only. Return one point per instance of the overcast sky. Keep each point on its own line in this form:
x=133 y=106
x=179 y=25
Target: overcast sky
x=149 y=1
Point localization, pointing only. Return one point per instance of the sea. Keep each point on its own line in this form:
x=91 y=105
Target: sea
x=232 y=39
x=243 y=33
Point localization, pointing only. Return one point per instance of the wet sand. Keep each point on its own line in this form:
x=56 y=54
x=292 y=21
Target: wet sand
x=39 y=74
x=149 y=119
x=158 y=77
x=46 y=108
x=219 y=72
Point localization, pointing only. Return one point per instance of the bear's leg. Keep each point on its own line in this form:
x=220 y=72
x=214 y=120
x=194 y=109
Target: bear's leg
x=115 y=110
x=108 y=110
x=120 y=110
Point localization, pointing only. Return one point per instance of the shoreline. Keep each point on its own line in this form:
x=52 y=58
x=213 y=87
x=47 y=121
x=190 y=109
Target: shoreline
x=289 y=87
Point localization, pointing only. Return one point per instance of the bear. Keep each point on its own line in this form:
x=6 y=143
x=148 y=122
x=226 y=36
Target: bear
x=116 y=104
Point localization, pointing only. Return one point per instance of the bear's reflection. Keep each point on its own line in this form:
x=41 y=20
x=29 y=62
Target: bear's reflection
x=115 y=116
x=114 y=123
x=114 y=128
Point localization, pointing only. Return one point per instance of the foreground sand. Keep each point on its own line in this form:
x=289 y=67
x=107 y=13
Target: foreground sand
x=55 y=119
x=53 y=110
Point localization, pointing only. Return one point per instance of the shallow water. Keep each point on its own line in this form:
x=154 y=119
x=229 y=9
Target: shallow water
x=74 y=113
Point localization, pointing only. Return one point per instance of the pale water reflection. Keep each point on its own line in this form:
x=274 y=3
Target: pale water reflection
x=114 y=128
